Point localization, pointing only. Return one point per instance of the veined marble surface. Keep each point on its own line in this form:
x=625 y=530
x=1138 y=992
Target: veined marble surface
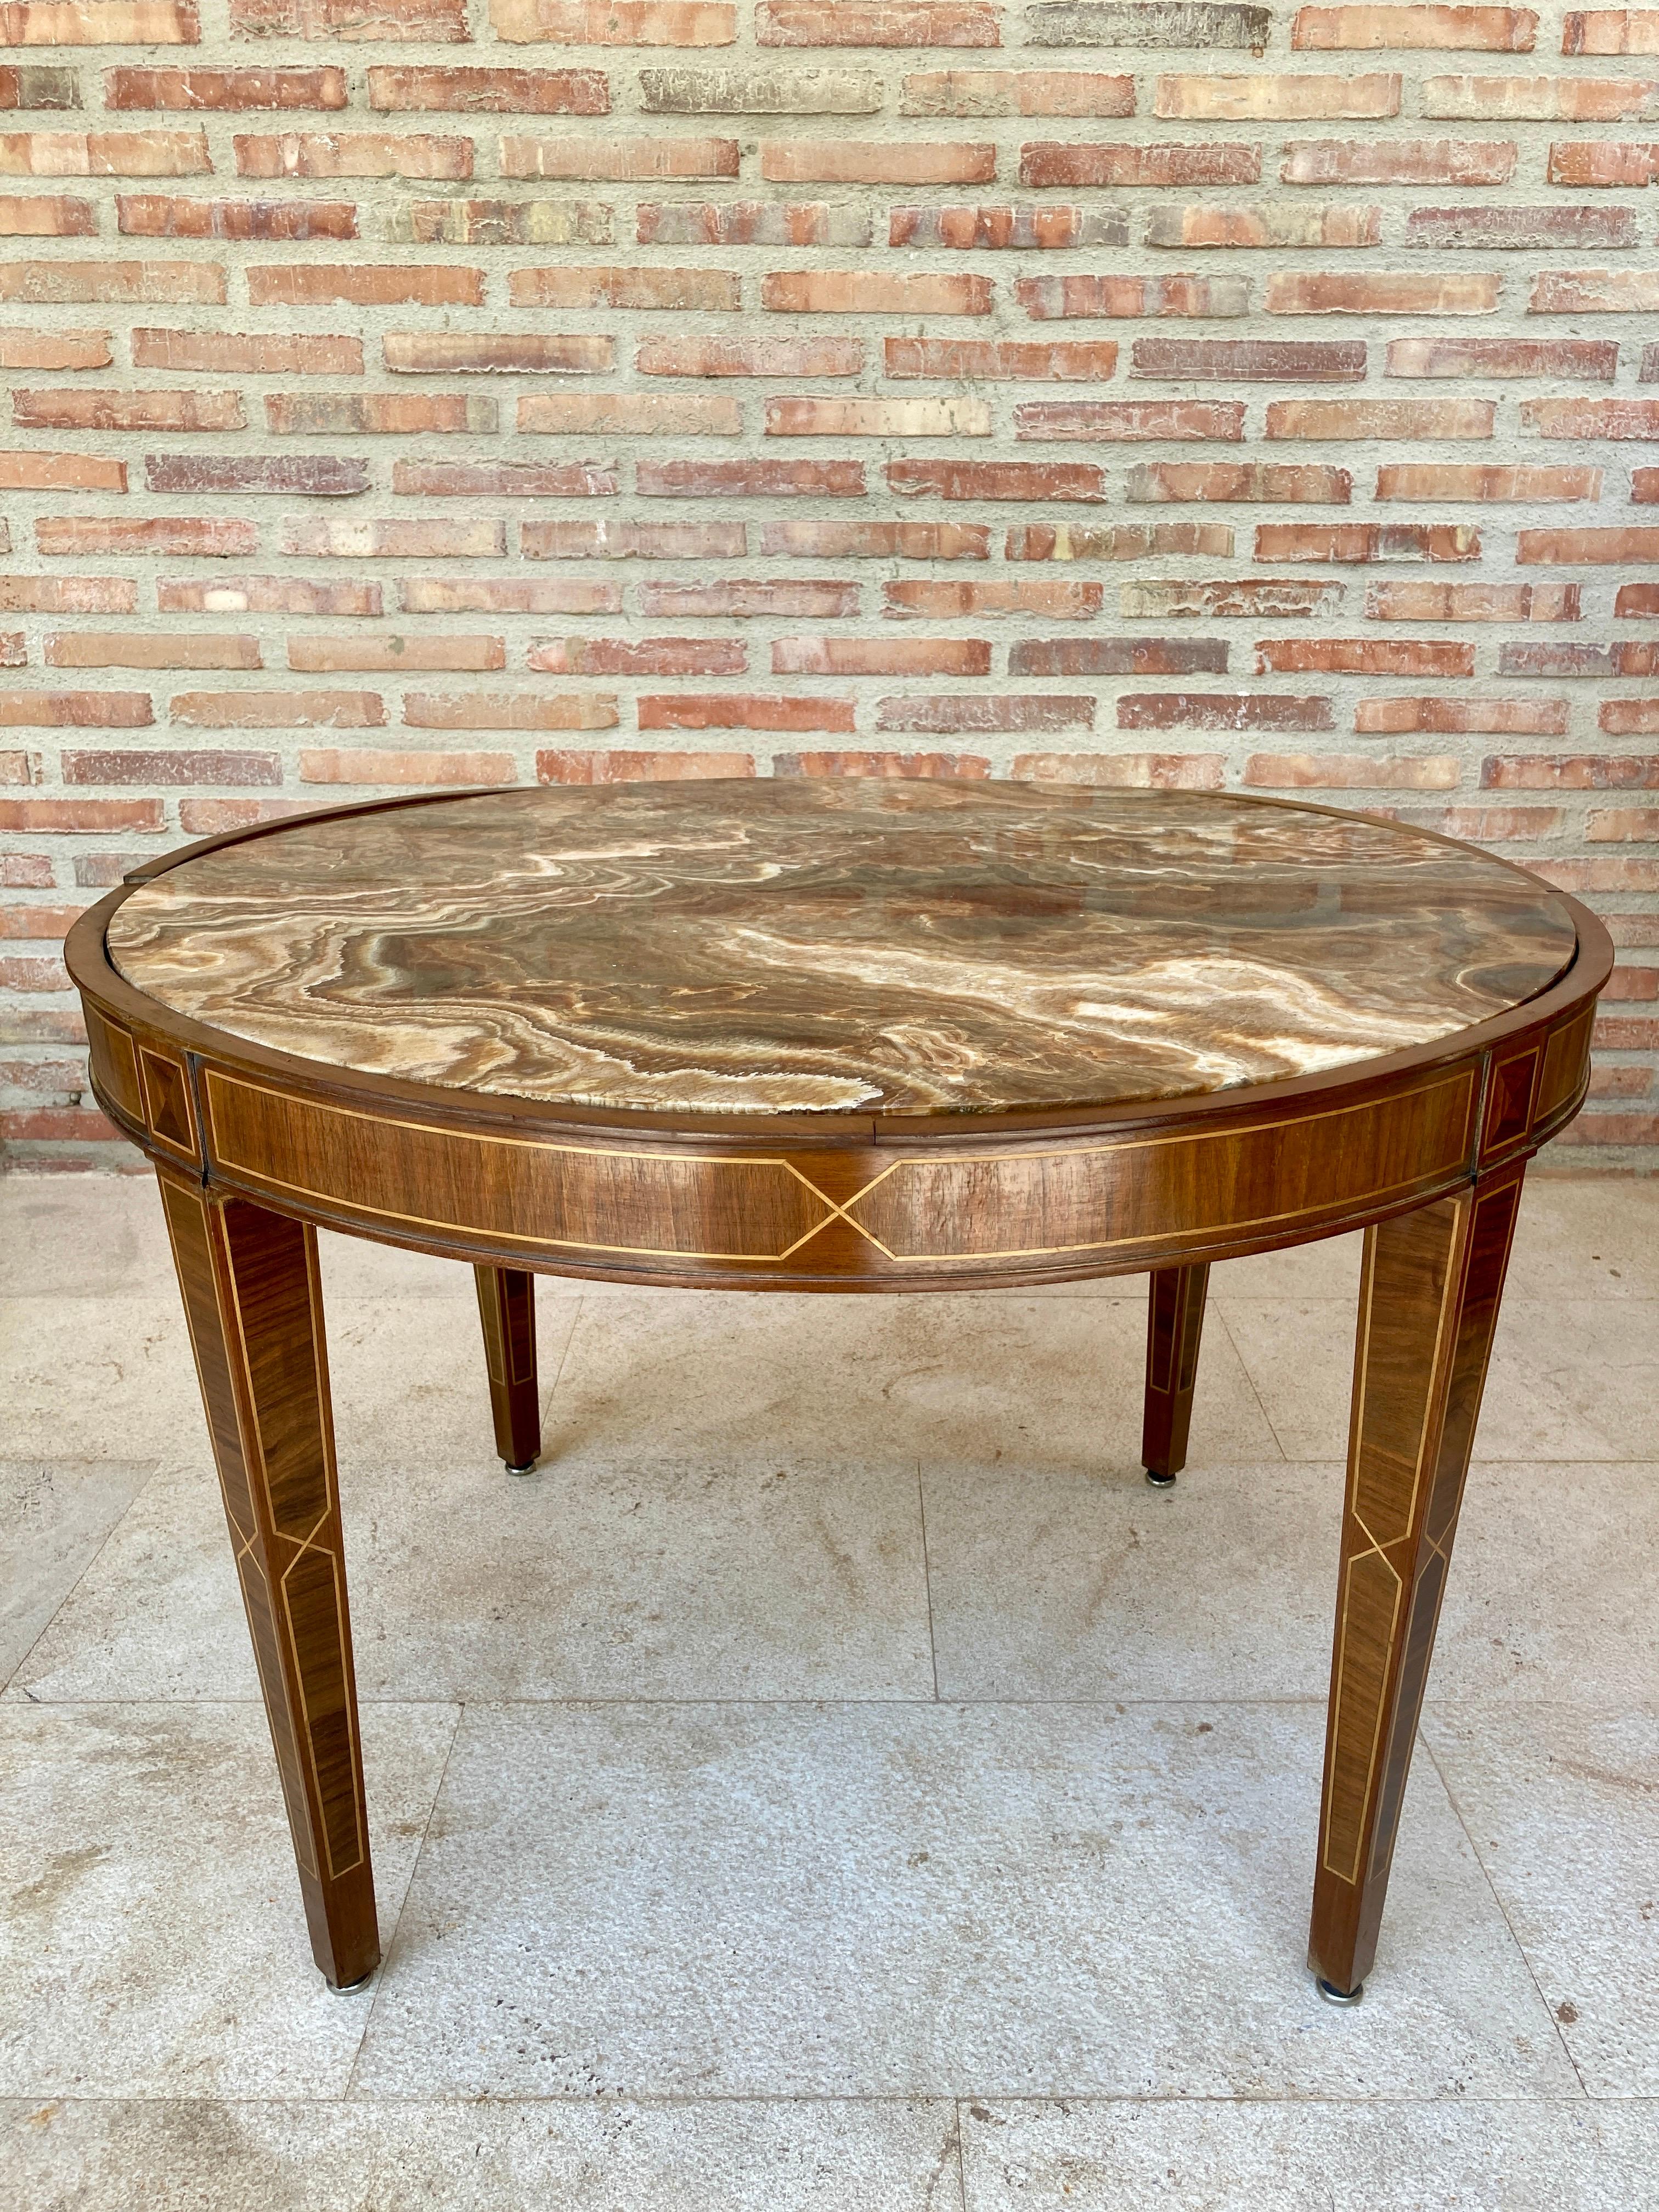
x=841 y=945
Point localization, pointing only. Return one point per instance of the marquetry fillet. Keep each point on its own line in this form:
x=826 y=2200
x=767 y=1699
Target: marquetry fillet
x=1428 y=1306
x=253 y=1302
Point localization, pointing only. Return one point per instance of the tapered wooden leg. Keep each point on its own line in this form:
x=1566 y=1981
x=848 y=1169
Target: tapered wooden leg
x=1428 y=1306
x=251 y=1295
x=1175 y=1320
x=506 y=1306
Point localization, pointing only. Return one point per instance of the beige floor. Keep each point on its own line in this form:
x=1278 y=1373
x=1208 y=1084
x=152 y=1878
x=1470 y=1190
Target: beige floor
x=835 y=1782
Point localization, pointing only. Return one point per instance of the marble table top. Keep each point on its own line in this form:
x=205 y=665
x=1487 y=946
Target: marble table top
x=841 y=945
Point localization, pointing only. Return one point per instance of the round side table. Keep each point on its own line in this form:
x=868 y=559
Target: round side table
x=839 y=1034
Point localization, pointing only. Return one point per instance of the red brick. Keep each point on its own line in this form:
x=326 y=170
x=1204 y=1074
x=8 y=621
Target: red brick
x=172 y=767
x=1442 y=480
x=1207 y=710
x=942 y=599
x=207 y=818
x=419 y=595
x=238 y=89
x=353 y=153
x=764 y=356
x=1289 y=294
x=1302 y=483
x=872 y=292
x=751 y=222
x=61 y=472
x=1612 y=1129
x=304 y=476
x=874 y=161
x=875 y=541
x=1117 y=656
x=912 y=765
x=397 y=540
x=1602 y=162
x=280 y=285
x=1591 y=358
x=1229 y=599
x=1557 y=548
x=505 y=479
x=277 y=710
x=69 y=595
x=1350 y=772
x=989 y=361
x=952 y=417
x=1000 y=229
x=1594 y=291
x=516 y=353
x=1397 y=161
x=26 y=973
x=598 y=160
x=631 y=414
x=104 y=154
x=75 y=710
x=985 y=714
x=1252 y=361
x=621 y=766
x=1361 y=656
x=1119 y=421
x=1635 y=602
x=878 y=23
x=328 y=655
x=1611 y=31
x=53 y=816
x=1629 y=718
x=1025 y=480
x=54 y=349
x=1427 y=602
x=1124 y=771
x=1592 y=419
x=1515 y=718
x=46 y=214
x=364 y=765
x=880 y=656
x=686 y=291
x=35 y=85
x=1364 y=542
x=650 y=656
x=1490 y=30
x=436 y=22
x=739 y=599
x=1280 y=223
x=155 y=283
x=85 y=408
x=606 y=540
x=1620 y=825
x=149 y=215
x=750 y=479
x=1482 y=825
x=971 y=93
x=743 y=711
x=64 y=535
x=88 y=649
x=19 y=767
x=230 y=353
x=281 y=595
x=1051 y=299
x=1489 y=229
x=616 y=22
x=378 y=413
x=1063 y=164
x=27 y=871
x=510 y=710
x=489 y=91
x=1277 y=99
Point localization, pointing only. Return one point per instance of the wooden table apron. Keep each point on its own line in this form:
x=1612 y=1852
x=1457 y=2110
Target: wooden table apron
x=1423 y=1149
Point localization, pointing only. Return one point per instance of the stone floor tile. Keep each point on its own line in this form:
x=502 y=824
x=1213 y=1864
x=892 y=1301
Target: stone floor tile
x=926 y=1900
x=1327 y=1269
x=84 y=1236
x=1565 y=2155
x=1048 y=1584
x=721 y=1378
x=1562 y=1803
x=1568 y=1380
x=154 y=1942
x=609 y=1580
x=1589 y=1237
x=54 y=1519
x=201 y=2155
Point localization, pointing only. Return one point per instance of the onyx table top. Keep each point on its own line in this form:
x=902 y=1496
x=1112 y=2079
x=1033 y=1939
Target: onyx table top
x=838 y=945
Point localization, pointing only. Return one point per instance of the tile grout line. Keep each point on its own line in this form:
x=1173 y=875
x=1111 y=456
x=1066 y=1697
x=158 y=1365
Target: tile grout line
x=380 y=1971
x=1485 y=1875
x=579 y=1302
x=23 y=1658
x=1245 y=1369
x=926 y=1587
x=962 y=2156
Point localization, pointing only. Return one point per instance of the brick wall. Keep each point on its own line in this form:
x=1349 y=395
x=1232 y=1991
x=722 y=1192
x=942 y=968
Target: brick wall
x=416 y=392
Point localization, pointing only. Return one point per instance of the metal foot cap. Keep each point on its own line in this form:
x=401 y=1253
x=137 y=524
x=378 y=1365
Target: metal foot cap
x=528 y=1467
x=1159 y=1481
x=350 y=1988
x=1332 y=1995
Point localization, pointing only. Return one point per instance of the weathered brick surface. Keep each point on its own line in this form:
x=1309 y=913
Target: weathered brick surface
x=411 y=392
